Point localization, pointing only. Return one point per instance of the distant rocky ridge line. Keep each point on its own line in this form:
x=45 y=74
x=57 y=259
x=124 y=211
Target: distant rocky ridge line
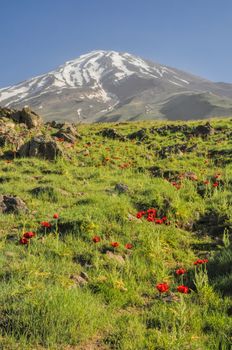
x=109 y=86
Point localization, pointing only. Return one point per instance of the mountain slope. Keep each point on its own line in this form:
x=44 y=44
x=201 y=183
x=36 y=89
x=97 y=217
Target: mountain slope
x=108 y=85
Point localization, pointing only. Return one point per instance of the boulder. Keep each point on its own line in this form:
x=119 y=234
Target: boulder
x=68 y=133
x=115 y=257
x=121 y=188
x=40 y=147
x=6 y=112
x=80 y=280
x=28 y=117
x=12 y=204
x=112 y=134
x=204 y=130
x=140 y=135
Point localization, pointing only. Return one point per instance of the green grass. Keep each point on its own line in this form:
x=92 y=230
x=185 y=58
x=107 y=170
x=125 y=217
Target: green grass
x=42 y=306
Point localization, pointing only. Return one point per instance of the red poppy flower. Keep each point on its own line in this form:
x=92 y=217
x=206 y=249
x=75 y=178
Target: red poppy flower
x=215 y=184
x=56 y=216
x=181 y=271
x=164 y=218
x=96 y=239
x=24 y=240
x=29 y=234
x=158 y=221
x=183 y=289
x=200 y=261
x=162 y=287
x=46 y=224
x=128 y=246
x=140 y=214
x=114 y=244
x=151 y=212
x=150 y=218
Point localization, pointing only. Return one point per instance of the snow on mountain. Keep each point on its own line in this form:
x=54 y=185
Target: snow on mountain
x=89 y=70
x=109 y=83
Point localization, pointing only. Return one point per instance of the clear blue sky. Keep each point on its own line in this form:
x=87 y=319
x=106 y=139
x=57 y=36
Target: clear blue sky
x=36 y=36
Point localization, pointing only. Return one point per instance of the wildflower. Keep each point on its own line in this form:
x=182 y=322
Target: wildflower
x=181 y=271
x=200 y=261
x=217 y=176
x=46 y=224
x=96 y=239
x=56 y=216
x=183 y=289
x=128 y=246
x=158 y=221
x=114 y=244
x=215 y=184
x=28 y=235
x=140 y=214
x=177 y=185
x=150 y=218
x=23 y=240
x=206 y=182
x=162 y=287
x=164 y=218
x=151 y=212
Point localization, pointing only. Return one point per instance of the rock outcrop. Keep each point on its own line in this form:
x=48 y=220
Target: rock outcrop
x=25 y=116
x=12 y=204
x=40 y=147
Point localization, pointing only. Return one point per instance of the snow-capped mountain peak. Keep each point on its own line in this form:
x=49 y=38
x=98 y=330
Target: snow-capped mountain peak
x=89 y=70
x=100 y=82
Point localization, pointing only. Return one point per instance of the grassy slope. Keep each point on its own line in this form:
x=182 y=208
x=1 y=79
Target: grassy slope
x=119 y=308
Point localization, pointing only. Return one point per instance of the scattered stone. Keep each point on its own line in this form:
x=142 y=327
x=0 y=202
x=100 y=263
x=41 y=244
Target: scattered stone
x=190 y=176
x=81 y=279
x=12 y=204
x=204 y=130
x=121 y=188
x=178 y=149
x=68 y=133
x=172 y=297
x=28 y=117
x=164 y=130
x=112 y=134
x=167 y=174
x=40 y=147
x=116 y=257
x=140 y=135
x=6 y=112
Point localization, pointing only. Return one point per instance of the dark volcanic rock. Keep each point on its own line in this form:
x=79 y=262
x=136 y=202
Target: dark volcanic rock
x=28 y=117
x=164 y=130
x=12 y=204
x=121 y=188
x=167 y=174
x=68 y=133
x=140 y=135
x=112 y=134
x=40 y=147
x=177 y=149
x=204 y=130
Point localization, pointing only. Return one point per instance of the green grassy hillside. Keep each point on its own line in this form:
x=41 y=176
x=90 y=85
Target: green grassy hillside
x=72 y=287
